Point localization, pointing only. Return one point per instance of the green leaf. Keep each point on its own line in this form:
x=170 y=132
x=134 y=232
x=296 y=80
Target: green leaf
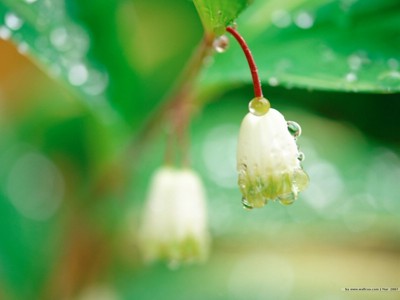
x=352 y=46
x=217 y=14
x=43 y=31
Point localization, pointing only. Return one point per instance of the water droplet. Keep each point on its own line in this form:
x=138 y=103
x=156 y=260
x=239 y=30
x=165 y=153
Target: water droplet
x=301 y=156
x=301 y=179
x=273 y=81
x=23 y=48
x=59 y=37
x=5 y=33
x=355 y=62
x=304 y=20
x=390 y=80
x=12 y=21
x=221 y=44
x=78 y=75
x=287 y=199
x=393 y=63
x=351 y=77
x=259 y=106
x=281 y=18
x=246 y=204
x=96 y=84
x=294 y=128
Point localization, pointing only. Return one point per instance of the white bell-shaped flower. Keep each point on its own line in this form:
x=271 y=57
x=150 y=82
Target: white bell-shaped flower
x=268 y=160
x=174 y=226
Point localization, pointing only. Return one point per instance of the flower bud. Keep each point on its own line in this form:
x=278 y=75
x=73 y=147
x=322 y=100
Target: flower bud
x=268 y=161
x=174 y=224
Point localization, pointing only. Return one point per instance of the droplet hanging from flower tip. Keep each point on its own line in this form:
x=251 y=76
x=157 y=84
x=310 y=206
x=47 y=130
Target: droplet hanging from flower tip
x=259 y=106
x=288 y=198
x=246 y=204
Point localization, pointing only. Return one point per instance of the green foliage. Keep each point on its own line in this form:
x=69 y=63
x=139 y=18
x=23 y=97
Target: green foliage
x=108 y=66
x=217 y=14
x=335 y=45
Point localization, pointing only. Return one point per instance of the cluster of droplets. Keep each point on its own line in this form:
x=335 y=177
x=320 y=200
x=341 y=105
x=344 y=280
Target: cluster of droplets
x=295 y=130
x=57 y=42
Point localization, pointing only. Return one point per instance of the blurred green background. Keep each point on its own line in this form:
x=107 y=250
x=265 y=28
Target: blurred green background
x=80 y=82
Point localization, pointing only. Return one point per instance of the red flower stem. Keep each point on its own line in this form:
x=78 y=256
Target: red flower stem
x=252 y=65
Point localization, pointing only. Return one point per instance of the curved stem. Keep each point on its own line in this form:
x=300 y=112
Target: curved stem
x=252 y=65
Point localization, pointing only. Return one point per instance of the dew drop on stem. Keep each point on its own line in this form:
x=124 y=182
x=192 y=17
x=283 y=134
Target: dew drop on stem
x=221 y=44
x=259 y=106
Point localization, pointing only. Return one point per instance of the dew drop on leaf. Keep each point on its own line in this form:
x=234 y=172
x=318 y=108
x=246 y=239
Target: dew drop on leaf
x=13 y=21
x=273 y=81
x=281 y=18
x=78 y=75
x=5 y=33
x=355 y=62
x=351 y=77
x=59 y=37
x=393 y=63
x=390 y=80
x=23 y=48
x=304 y=20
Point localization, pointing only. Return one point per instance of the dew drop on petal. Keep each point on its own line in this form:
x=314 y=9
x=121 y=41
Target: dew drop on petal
x=287 y=199
x=259 y=106
x=13 y=21
x=301 y=179
x=221 y=44
x=301 y=156
x=246 y=204
x=294 y=128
